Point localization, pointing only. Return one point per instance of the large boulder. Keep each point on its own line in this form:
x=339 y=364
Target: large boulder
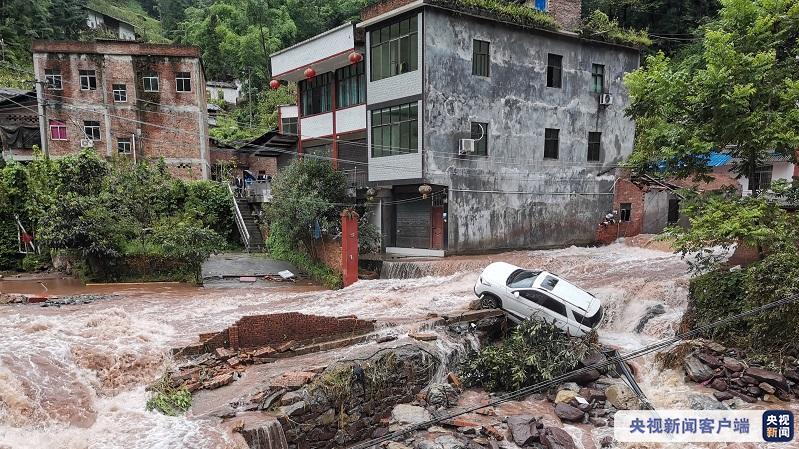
x=557 y=438
x=703 y=402
x=769 y=377
x=732 y=364
x=568 y=413
x=523 y=429
x=621 y=397
x=441 y=395
x=406 y=414
x=565 y=396
x=696 y=370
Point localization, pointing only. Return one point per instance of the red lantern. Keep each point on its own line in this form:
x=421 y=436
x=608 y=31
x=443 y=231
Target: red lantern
x=355 y=57
x=274 y=84
x=310 y=73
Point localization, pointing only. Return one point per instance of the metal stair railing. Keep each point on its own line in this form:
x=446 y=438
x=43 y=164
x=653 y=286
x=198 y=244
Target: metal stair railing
x=245 y=234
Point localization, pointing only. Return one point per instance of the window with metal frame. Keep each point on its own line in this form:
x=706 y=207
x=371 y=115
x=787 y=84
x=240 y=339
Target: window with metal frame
x=58 y=130
x=594 y=146
x=150 y=82
x=92 y=129
x=554 y=70
x=395 y=130
x=625 y=211
x=183 y=82
x=53 y=80
x=545 y=301
x=315 y=94
x=394 y=49
x=88 y=79
x=120 y=93
x=597 y=78
x=761 y=178
x=350 y=85
x=481 y=58
x=288 y=125
x=124 y=145
x=479 y=133
x=551 y=143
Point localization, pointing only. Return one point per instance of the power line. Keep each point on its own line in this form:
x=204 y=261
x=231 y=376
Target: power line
x=662 y=344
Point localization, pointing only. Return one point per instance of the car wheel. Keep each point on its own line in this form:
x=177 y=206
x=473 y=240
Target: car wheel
x=490 y=302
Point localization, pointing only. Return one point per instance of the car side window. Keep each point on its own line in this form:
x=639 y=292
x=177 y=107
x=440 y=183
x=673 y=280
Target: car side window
x=544 y=301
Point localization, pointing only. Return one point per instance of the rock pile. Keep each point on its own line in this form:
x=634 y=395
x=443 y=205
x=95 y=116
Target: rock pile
x=221 y=367
x=726 y=371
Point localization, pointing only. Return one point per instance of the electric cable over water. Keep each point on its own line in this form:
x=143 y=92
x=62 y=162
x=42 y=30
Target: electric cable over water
x=662 y=344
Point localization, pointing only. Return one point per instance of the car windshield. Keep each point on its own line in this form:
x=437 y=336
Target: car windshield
x=522 y=278
x=549 y=283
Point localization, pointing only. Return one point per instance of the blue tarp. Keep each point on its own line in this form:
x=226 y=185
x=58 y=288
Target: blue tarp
x=718 y=159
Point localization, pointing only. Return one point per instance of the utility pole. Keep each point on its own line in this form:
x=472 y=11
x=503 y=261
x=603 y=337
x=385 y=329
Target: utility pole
x=40 y=103
x=249 y=93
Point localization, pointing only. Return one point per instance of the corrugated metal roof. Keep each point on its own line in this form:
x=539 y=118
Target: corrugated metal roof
x=718 y=159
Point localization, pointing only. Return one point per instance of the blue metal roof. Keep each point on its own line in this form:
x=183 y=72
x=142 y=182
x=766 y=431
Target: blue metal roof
x=718 y=159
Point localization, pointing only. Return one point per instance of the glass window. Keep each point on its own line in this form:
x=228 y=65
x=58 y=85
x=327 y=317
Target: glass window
x=315 y=94
x=551 y=143
x=625 y=211
x=150 y=82
x=320 y=152
x=761 y=179
x=58 y=130
x=590 y=321
x=52 y=78
x=183 y=82
x=481 y=59
x=554 y=70
x=594 y=146
x=124 y=145
x=120 y=93
x=92 y=129
x=480 y=136
x=394 y=49
x=288 y=125
x=549 y=283
x=350 y=85
x=545 y=301
x=88 y=79
x=522 y=278
x=597 y=78
x=394 y=130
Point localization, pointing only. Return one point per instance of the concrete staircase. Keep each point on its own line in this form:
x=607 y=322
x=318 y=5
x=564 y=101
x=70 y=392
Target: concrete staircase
x=249 y=217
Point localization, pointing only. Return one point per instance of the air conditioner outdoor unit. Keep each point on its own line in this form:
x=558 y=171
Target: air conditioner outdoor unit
x=466 y=146
x=606 y=99
x=86 y=143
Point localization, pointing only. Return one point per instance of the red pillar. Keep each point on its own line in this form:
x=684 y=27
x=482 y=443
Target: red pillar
x=349 y=246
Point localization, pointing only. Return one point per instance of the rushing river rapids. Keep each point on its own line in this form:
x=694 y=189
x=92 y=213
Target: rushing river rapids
x=74 y=377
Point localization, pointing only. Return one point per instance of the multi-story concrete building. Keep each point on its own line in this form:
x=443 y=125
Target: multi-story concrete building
x=481 y=132
x=124 y=98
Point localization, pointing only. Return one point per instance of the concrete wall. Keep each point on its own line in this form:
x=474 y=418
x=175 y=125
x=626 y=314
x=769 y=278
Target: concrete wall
x=513 y=198
x=656 y=211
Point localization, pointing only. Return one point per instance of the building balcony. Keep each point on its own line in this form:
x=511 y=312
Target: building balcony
x=321 y=125
x=324 y=53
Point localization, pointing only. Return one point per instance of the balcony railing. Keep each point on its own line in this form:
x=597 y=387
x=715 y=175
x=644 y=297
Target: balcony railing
x=357 y=178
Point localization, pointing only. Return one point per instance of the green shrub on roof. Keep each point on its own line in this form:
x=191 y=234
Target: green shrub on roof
x=598 y=26
x=517 y=14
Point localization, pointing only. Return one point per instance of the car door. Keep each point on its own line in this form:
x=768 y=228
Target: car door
x=547 y=308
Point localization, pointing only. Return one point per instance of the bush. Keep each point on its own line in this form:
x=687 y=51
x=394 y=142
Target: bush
x=168 y=400
x=535 y=351
x=518 y=14
x=598 y=26
x=722 y=294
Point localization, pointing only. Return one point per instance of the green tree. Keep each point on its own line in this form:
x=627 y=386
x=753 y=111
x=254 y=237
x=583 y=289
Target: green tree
x=738 y=94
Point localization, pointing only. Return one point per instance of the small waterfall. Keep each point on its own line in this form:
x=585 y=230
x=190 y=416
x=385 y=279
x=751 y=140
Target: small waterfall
x=266 y=434
x=407 y=269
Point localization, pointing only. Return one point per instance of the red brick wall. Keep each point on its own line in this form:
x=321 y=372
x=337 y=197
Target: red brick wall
x=167 y=123
x=274 y=329
x=382 y=7
x=625 y=192
x=328 y=251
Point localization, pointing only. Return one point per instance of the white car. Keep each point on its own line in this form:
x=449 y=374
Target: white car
x=530 y=294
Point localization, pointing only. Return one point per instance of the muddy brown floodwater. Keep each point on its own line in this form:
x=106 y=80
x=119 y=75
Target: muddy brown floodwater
x=73 y=377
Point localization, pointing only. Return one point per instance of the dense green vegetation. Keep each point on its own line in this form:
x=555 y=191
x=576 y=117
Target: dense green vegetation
x=720 y=294
x=115 y=220
x=136 y=13
x=535 y=351
x=306 y=191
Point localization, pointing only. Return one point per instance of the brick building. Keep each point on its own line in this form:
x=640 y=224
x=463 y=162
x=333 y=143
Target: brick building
x=125 y=98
